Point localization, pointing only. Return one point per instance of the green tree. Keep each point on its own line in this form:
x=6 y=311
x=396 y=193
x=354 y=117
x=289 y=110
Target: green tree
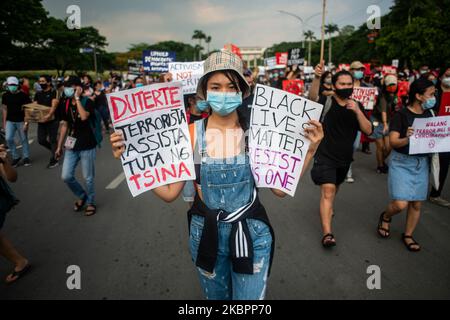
x=309 y=36
x=330 y=29
x=208 y=41
x=199 y=35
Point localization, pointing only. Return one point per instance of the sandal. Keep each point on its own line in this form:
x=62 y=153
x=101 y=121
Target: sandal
x=90 y=210
x=410 y=245
x=19 y=274
x=327 y=241
x=77 y=207
x=380 y=226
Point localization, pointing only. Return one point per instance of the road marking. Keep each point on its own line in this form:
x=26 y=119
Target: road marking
x=29 y=142
x=116 y=182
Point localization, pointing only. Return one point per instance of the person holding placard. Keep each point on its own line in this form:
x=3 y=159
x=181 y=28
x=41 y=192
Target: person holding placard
x=408 y=174
x=231 y=239
x=342 y=119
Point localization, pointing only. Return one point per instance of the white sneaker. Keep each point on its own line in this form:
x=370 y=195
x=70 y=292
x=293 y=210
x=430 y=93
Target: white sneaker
x=440 y=202
x=349 y=180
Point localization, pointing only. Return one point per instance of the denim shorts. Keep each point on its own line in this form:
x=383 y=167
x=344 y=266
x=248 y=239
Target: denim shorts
x=378 y=129
x=408 y=177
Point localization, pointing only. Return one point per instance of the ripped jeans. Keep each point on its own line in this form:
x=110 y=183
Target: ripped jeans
x=224 y=284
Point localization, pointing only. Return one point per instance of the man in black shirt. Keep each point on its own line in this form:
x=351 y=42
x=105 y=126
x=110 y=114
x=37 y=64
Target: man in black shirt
x=48 y=129
x=14 y=120
x=77 y=124
x=343 y=118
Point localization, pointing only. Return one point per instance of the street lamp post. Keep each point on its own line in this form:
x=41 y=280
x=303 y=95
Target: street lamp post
x=304 y=22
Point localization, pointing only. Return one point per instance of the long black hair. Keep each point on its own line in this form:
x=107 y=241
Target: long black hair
x=238 y=83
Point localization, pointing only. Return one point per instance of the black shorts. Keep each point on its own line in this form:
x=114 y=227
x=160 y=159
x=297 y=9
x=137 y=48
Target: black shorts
x=322 y=173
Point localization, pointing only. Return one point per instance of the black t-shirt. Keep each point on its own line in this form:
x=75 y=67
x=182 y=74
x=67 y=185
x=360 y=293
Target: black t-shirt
x=45 y=98
x=14 y=103
x=80 y=130
x=400 y=123
x=340 y=127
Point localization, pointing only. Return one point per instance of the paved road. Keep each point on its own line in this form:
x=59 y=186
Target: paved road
x=138 y=248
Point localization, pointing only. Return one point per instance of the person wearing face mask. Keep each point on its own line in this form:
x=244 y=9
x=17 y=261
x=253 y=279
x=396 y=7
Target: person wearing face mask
x=343 y=118
x=48 y=129
x=380 y=118
x=101 y=103
x=14 y=121
x=408 y=174
x=226 y=206
x=444 y=157
x=80 y=144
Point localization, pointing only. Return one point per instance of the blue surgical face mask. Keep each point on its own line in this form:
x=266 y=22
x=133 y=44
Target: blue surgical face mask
x=358 y=75
x=429 y=103
x=139 y=85
x=224 y=103
x=202 y=105
x=434 y=81
x=13 y=88
x=69 y=92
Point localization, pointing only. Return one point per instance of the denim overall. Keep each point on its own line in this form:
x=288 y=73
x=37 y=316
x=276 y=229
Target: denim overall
x=228 y=186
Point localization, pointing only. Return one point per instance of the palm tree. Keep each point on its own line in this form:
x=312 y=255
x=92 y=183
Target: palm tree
x=309 y=35
x=208 y=41
x=199 y=35
x=330 y=29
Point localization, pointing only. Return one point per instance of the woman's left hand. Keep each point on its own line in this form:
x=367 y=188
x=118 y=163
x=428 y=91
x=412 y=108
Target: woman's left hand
x=315 y=134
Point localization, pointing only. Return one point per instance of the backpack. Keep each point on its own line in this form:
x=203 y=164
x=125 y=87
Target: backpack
x=326 y=108
x=95 y=122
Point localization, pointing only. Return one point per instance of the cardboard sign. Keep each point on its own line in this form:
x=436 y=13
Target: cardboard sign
x=187 y=72
x=153 y=121
x=277 y=145
x=389 y=70
x=365 y=96
x=157 y=61
x=270 y=62
x=296 y=56
x=35 y=112
x=296 y=86
x=282 y=58
x=444 y=109
x=431 y=135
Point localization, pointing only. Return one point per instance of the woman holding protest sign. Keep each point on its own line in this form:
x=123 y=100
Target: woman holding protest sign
x=231 y=239
x=408 y=174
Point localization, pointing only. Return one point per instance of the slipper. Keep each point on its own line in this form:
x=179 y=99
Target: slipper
x=77 y=207
x=19 y=274
x=90 y=212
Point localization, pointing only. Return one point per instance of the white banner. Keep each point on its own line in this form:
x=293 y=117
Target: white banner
x=431 y=135
x=187 y=72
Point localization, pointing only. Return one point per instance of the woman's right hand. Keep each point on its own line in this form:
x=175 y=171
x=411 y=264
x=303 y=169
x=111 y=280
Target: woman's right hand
x=410 y=132
x=118 y=144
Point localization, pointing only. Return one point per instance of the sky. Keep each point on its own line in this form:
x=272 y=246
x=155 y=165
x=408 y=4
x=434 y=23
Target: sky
x=242 y=22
